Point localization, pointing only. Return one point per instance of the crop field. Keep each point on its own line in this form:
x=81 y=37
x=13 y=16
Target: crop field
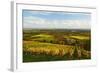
x=56 y=45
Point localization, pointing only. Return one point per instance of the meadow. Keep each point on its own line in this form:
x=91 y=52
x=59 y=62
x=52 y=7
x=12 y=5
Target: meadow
x=56 y=45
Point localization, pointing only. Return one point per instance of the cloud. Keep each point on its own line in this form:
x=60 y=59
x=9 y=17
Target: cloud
x=38 y=12
x=36 y=22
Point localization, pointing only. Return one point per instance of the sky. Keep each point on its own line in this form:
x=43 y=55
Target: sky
x=55 y=20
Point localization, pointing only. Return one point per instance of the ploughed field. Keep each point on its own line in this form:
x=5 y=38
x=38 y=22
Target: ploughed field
x=56 y=45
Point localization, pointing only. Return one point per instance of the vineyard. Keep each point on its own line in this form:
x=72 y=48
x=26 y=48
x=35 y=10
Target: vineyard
x=55 y=45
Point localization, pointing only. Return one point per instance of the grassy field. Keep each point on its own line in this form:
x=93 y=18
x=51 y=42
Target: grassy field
x=56 y=45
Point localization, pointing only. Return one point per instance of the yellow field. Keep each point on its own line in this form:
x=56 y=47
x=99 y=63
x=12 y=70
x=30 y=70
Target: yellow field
x=80 y=37
x=52 y=49
x=48 y=48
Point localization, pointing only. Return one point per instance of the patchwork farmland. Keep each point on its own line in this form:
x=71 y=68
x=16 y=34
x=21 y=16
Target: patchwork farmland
x=56 y=45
